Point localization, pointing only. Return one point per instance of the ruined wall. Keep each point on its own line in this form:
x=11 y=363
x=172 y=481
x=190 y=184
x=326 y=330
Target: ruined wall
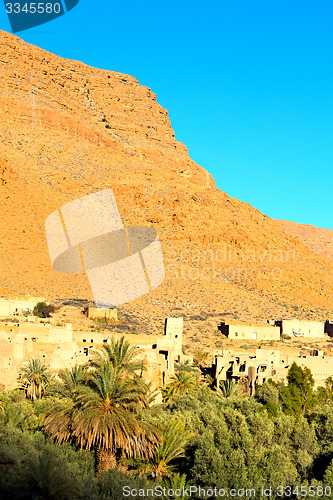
x=159 y=351
x=174 y=332
x=60 y=348
x=16 y=349
x=107 y=314
x=329 y=328
x=270 y=364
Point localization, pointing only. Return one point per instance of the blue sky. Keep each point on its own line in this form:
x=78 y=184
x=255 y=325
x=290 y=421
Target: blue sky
x=248 y=87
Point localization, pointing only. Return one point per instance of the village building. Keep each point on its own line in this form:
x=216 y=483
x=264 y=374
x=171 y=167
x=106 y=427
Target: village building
x=158 y=351
x=18 y=344
x=256 y=368
x=275 y=330
x=250 y=331
x=107 y=314
x=300 y=329
x=61 y=347
x=18 y=306
x=329 y=328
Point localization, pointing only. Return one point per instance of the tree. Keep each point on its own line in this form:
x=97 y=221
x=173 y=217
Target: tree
x=172 y=447
x=301 y=378
x=107 y=416
x=179 y=383
x=113 y=483
x=69 y=380
x=177 y=482
x=230 y=388
x=17 y=411
x=121 y=355
x=268 y=395
x=34 y=378
x=43 y=310
x=34 y=467
x=297 y=397
x=200 y=358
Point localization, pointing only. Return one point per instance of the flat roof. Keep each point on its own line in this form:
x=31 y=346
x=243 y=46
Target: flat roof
x=235 y=323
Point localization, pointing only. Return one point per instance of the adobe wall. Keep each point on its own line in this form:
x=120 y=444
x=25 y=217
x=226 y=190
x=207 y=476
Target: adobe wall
x=44 y=332
x=96 y=337
x=174 y=332
x=253 y=332
x=12 y=354
x=9 y=305
x=295 y=329
x=159 y=351
x=270 y=364
x=321 y=366
x=303 y=329
x=329 y=328
x=16 y=349
x=106 y=314
x=60 y=348
x=159 y=364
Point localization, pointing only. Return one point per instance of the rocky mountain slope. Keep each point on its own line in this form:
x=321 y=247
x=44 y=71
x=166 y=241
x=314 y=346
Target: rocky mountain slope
x=318 y=239
x=67 y=130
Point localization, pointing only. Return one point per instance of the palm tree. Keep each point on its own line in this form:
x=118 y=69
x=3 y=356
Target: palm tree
x=69 y=380
x=34 y=378
x=121 y=355
x=105 y=415
x=180 y=382
x=172 y=447
x=230 y=388
x=177 y=482
x=200 y=358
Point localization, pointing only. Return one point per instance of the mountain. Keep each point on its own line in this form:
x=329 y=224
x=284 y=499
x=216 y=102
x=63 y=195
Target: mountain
x=68 y=130
x=318 y=239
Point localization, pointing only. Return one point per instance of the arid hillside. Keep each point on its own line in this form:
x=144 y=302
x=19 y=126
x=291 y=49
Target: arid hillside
x=68 y=130
x=318 y=239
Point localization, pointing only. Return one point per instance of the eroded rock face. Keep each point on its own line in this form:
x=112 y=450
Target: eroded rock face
x=107 y=109
x=318 y=239
x=68 y=130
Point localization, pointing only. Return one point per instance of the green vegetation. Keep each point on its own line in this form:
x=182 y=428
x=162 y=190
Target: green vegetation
x=201 y=357
x=91 y=430
x=180 y=383
x=43 y=310
x=34 y=378
x=229 y=389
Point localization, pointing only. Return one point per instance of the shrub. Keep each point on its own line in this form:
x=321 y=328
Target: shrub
x=43 y=310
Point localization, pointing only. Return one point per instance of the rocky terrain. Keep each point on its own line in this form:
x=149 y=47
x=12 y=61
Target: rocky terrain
x=318 y=239
x=67 y=130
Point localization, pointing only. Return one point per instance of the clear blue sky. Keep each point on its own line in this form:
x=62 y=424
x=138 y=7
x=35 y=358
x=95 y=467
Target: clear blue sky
x=248 y=87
